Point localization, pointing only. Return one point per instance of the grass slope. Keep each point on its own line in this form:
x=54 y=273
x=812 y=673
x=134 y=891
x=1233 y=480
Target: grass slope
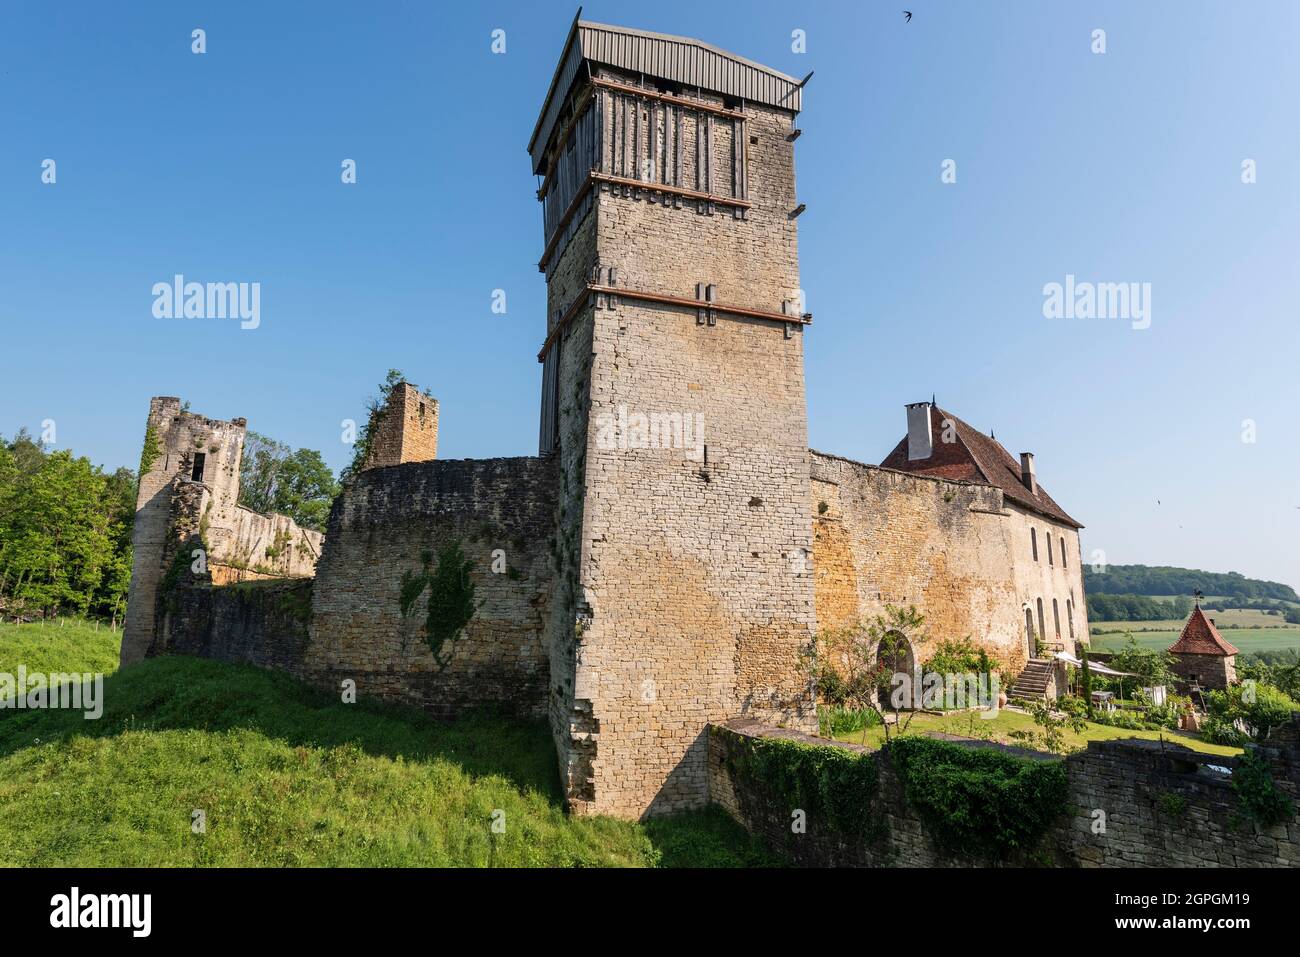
x=287 y=775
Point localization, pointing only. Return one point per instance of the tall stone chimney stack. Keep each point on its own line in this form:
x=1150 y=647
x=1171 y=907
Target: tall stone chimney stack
x=1027 y=475
x=920 y=435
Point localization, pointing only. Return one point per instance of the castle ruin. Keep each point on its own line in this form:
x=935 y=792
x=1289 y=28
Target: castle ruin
x=665 y=560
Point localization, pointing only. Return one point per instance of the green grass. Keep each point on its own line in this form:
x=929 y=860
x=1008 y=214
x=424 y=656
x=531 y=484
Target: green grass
x=970 y=724
x=289 y=776
x=70 y=644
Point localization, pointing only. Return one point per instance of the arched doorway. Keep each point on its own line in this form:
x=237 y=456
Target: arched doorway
x=895 y=656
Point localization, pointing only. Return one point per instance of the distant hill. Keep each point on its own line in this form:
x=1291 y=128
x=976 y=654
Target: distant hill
x=1166 y=580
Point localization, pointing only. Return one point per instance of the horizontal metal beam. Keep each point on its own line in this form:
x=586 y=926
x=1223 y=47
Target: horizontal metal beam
x=624 y=292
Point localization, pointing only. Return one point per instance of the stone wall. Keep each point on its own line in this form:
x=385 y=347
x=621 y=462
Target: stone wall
x=261 y=623
x=388 y=525
x=956 y=550
x=1161 y=806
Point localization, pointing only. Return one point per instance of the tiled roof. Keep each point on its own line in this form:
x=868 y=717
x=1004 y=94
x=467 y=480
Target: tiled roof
x=975 y=457
x=1200 y=637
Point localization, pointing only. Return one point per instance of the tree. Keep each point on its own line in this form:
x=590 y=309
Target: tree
x=1150 y=666
x=275 y=478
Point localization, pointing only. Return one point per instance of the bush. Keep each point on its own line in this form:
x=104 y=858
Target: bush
x=979 y=802
x=1257 y=795
x=831 y=784
x=1260 y=707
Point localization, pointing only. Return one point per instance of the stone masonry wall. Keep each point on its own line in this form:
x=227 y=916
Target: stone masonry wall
x=1163 y=807
x=956 y=550
x=405 y=429
x=382 y=529
x=261 y=623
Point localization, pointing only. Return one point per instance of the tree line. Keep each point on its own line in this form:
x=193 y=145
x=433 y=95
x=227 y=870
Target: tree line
x=1166 y=580
x=65 y=532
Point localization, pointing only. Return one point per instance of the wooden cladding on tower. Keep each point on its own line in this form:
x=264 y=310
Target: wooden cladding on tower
x=628 y=138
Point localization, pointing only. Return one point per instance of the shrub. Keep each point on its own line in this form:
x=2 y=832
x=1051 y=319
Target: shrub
x=1260 y=707
x=1257 y=795
x=980 y=802
x=831 y=784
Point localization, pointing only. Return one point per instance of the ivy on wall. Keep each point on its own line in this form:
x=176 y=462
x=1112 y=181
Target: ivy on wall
x=832 y=785
x=450 y=604
x=979 y=802
x=1258 y=797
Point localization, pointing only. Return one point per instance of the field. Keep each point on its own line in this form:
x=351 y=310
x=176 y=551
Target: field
x=1250 y=630
x=970 y=724
x=288 y=776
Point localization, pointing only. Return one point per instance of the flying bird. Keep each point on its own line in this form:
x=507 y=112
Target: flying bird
x=908 y=14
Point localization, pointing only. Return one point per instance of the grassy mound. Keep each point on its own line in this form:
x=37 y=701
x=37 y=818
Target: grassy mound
x=289 y=776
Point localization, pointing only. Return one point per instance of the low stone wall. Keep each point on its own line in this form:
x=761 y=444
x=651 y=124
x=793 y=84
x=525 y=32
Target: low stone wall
x=261 y=623
x=1132 y=803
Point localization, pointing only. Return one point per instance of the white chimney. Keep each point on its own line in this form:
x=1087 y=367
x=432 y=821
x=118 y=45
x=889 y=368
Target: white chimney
x=1027 y=472
x=920 y=439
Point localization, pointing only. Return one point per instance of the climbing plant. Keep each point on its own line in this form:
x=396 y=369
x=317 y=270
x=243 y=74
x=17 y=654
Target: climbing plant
x=832 y=785
x=979 y=802
x=1258 y=797
x=450 y=604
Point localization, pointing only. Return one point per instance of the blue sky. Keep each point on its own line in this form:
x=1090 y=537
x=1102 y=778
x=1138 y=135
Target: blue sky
x=1119 y=167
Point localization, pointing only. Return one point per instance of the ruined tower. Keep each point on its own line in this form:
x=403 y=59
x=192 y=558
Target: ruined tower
x=673 y=394
x=186 y=456
x=404 y=429
x=188 y=497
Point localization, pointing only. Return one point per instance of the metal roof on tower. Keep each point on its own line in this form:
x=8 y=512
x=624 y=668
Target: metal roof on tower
x=691 y=63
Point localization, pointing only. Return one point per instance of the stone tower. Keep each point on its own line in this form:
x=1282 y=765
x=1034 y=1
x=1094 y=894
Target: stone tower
x=673 y=394
x=405 y=429
x=186 y=456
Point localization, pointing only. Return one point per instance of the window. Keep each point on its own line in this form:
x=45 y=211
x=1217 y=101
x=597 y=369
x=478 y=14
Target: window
x=196 y=473
x=1042 y=625
x=1033 y=541
x=1069 y=615
x=1056 y=614
x=1048 y=536
x=1064 y=564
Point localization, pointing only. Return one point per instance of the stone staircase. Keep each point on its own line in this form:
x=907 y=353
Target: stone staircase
x=1031 y=684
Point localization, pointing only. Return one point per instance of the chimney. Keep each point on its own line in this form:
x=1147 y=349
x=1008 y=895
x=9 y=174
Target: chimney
x=920 y=441
x=1027 y=472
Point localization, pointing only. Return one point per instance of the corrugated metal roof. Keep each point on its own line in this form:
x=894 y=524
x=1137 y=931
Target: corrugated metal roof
x=680 y=59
